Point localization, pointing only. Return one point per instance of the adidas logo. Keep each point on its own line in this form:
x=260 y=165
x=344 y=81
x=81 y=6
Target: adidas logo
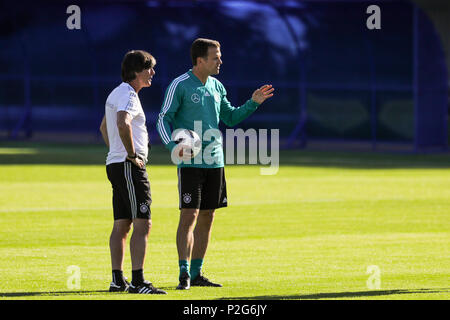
x=207 y=94
x=224 y=200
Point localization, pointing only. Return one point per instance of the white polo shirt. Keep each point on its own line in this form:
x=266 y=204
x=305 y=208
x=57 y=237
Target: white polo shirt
x=124 y=98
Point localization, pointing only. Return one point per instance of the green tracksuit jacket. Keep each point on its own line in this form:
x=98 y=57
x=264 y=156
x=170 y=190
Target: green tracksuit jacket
x=187 y=100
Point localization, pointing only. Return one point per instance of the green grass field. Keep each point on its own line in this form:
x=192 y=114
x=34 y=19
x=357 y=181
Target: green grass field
x=309 y=232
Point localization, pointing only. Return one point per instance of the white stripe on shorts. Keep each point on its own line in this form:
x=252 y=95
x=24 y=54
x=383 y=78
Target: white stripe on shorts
x=179 y=185
x=130 y=187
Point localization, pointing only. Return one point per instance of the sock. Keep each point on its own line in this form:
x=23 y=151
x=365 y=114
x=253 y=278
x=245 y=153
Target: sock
x=196 y=267
x=117 y=277
x=137 y=277
x=184 y=266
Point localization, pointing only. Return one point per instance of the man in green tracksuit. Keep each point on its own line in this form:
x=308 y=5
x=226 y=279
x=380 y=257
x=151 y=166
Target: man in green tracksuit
x=197 y=97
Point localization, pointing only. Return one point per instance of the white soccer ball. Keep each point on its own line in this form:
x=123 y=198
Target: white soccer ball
x=189 y=141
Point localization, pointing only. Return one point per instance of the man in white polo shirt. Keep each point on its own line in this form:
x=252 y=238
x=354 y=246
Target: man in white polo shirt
x=124 y=132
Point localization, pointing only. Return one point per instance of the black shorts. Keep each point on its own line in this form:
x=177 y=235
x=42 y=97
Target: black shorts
x=202 y=188
x=131 y=191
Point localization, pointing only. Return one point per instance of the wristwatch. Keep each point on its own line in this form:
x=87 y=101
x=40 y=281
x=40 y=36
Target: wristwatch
x=133 y=156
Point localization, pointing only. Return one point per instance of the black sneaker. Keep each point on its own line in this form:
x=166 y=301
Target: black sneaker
x=201 y=281
x=185 y=282
x=114 y=287
x=145 y=288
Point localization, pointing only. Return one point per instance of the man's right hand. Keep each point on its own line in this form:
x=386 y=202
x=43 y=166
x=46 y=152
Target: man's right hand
x=137 y=162
x=189 y=153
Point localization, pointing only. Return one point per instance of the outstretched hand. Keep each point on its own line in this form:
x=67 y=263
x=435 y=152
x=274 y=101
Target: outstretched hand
x=260 y=95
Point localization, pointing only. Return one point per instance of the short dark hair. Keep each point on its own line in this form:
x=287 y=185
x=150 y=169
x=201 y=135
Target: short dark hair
x=199 y=48
x=136 y=61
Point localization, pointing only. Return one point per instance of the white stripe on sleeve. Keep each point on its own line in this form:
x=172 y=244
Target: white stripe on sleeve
x=170 y=93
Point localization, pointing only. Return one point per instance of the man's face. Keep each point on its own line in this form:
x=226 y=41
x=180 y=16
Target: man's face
x=212 y=63
x=145 y=77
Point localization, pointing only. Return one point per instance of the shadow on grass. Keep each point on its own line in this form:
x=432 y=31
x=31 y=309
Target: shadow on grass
x=343 y=295
x=50 y=293
x=69 y=154
x=328 y=295
x=13 y=153
x=64 y=293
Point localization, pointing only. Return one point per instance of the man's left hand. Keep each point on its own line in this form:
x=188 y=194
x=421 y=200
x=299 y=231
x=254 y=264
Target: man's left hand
x=260 y=95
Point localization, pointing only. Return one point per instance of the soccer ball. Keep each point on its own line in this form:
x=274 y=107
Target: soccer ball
x=188 y=141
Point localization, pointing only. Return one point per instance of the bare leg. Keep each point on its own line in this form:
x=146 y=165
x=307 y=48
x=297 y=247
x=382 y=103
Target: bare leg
x=202 y=233
x=138 y=242
x=185 y=235
x=117 y=242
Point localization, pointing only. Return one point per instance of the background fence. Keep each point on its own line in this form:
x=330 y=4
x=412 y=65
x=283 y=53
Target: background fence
x=335 y=79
